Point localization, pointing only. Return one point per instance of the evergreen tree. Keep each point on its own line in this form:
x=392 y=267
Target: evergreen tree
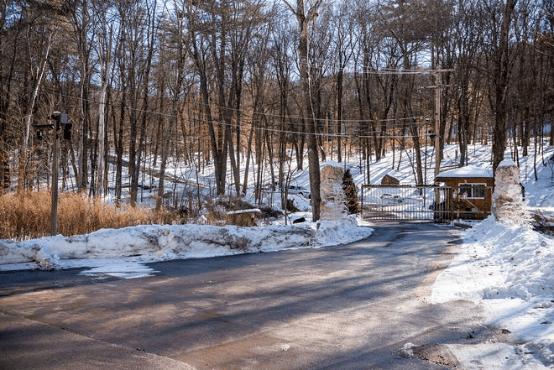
x=350 y=193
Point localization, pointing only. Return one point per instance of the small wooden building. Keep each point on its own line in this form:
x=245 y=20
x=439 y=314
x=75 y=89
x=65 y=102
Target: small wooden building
x=391 y=178
x=465 y=193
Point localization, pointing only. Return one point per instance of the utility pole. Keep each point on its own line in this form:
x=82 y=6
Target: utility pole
x=436 y=135
x=59 y=121
x=54 y=212
x=437 y=122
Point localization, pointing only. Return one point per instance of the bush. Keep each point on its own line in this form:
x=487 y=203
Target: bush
x=351 y=199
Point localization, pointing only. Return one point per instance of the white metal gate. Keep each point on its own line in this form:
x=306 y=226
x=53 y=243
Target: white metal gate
x=399 y=202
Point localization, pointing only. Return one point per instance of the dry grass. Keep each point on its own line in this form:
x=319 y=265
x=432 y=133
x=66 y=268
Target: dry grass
x=27 y=215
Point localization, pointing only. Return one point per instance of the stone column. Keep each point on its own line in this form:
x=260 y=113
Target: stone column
x=332 y=194
x=507 y=201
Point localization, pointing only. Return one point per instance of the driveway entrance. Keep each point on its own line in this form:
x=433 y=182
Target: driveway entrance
x=355 y=306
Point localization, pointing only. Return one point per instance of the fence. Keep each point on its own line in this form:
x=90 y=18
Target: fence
x=427 y=202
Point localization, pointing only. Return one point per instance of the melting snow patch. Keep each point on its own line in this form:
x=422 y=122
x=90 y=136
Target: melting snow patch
x=121 y=269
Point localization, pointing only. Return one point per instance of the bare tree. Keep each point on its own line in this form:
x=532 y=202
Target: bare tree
x=259 y=63
x=344 y=44
x=465 y=38
x=82 y=21
x=304 y=18
x=500 y=14
x=281 y=60
x=105 y=42
x=174 y=55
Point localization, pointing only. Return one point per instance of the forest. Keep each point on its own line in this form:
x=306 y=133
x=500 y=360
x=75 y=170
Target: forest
x=246 y=86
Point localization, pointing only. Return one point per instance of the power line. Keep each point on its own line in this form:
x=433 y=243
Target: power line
x=245 y=112
x=392 y=71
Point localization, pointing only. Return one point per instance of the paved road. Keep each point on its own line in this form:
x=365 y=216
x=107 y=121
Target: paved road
x=346 y=307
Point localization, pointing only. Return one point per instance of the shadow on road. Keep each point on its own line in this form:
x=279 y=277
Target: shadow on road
x=349 y=306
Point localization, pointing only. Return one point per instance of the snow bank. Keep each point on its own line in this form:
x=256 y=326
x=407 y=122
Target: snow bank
x=159 y=243
x=522 y=256
x=507 y=268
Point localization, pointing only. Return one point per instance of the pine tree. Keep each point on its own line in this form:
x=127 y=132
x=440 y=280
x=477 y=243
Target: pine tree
x=350 y=193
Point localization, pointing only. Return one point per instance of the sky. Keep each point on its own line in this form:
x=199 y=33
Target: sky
x=504 y=266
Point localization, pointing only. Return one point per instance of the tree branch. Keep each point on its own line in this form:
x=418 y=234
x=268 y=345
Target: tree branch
x=290 y=7
x=312 y=13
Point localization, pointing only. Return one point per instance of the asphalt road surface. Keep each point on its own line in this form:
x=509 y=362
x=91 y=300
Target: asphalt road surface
x=357 y=306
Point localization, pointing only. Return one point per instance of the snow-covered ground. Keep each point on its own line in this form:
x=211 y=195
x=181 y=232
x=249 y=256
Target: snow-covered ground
x=505 y=267
x=508 y=270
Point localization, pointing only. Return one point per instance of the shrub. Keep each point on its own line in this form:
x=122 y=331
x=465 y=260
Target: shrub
x=350 y=193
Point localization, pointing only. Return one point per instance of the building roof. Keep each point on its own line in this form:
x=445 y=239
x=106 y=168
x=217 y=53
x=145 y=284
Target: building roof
x=467 y=172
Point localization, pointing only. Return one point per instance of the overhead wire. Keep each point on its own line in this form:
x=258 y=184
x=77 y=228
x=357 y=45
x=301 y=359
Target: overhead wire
x=352 y=125
x=235 y=110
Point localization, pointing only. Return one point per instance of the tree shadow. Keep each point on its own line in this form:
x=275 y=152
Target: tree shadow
x=344 y=305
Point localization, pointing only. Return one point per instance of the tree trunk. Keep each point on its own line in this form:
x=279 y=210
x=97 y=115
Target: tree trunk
x=307 y=108
x=502 y=73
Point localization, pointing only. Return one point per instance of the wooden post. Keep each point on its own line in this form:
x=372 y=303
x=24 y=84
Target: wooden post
x=54 y=211
x=437 y=123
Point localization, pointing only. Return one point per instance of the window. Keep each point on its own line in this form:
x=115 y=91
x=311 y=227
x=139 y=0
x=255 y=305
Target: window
x=473 y=191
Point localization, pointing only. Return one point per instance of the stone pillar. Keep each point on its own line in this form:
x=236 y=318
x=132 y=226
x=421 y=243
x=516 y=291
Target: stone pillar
x=507 y=201
x=332 y=194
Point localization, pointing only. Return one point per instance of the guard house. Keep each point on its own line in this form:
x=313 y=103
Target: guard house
x=465 y=193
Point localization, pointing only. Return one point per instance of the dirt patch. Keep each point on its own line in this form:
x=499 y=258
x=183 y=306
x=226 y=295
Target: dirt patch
x=438 y=354
x=442 y=354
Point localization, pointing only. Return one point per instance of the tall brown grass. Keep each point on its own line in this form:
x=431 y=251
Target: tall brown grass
x=27 y=215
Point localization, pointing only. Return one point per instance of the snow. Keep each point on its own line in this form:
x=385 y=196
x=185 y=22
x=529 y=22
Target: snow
x=142 y=244
x=334 y=164
x=505 y=267
x=251 y=210
x=467 y=171
x=507 y=162
x=120 y=269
